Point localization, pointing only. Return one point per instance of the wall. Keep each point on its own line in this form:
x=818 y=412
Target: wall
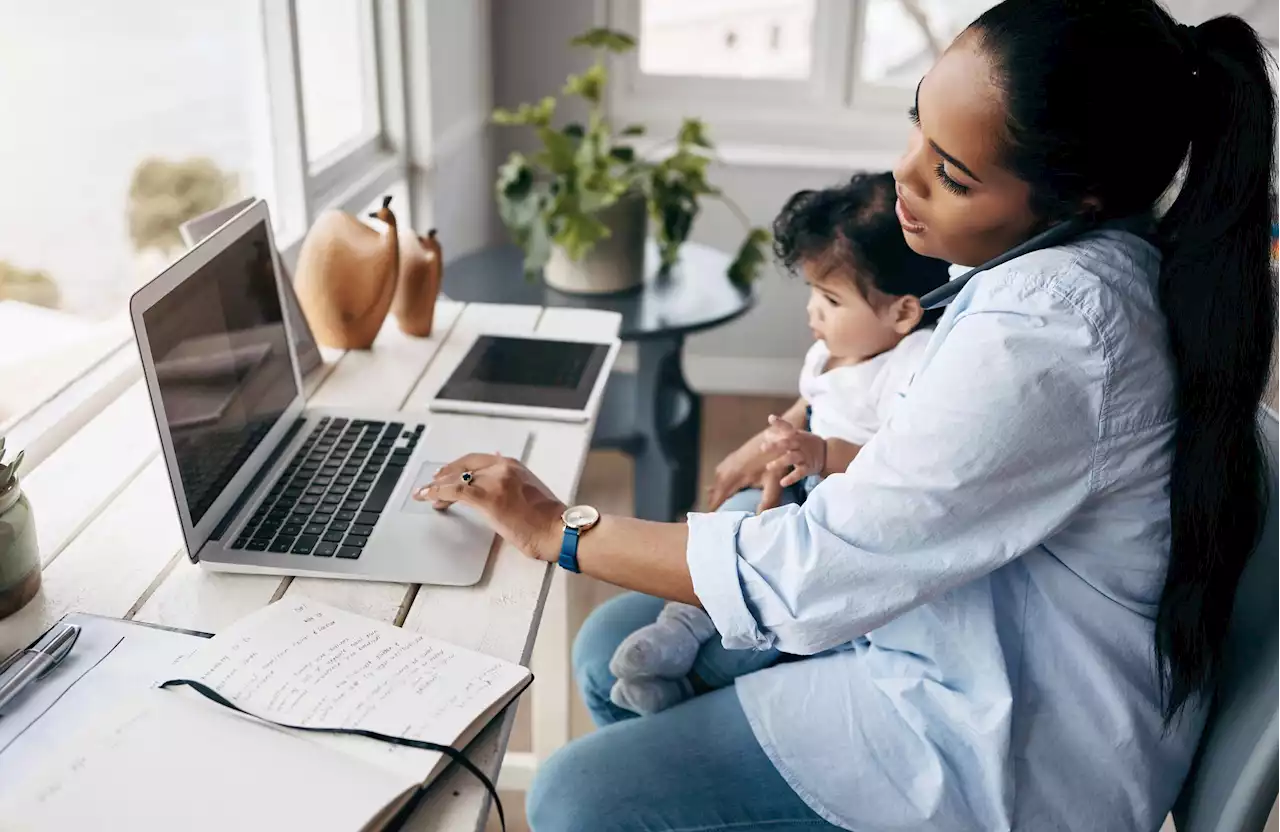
x=761 y=352
x=459 y=86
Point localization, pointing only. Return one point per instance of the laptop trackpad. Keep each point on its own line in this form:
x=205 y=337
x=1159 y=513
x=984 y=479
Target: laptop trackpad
x=426 y=473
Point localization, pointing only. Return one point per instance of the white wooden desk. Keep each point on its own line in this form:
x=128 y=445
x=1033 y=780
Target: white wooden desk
x=111 y=543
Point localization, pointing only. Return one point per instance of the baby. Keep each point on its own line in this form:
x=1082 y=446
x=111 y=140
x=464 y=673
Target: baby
x=870 y=330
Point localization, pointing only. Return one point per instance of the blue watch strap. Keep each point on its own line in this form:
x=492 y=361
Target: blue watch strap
x=569 y=550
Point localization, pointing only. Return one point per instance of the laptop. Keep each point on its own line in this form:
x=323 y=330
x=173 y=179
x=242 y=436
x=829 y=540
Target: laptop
x=265 y=483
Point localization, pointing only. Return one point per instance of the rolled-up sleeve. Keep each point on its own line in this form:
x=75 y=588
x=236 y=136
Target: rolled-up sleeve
x=993 y=448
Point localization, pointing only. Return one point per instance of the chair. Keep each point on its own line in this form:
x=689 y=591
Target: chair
x=1232 y=785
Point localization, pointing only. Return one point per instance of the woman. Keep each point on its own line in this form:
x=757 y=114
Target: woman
x=1014 y=601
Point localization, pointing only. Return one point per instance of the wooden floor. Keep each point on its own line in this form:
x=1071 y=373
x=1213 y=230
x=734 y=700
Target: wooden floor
x=727 y=422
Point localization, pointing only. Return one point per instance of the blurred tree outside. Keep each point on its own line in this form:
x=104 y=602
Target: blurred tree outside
x=164 y=194
x=28 y=285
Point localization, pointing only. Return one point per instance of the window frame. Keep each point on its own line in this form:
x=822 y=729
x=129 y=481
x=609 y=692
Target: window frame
x=353 y=176
x=833 y=114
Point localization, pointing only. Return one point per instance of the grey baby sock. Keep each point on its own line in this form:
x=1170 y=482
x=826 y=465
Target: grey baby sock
x=649 y=695
x=666 y=648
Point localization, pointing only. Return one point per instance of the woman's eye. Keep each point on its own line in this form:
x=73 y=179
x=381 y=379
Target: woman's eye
x=914 y=115
x=832 y=300
x=947 y=182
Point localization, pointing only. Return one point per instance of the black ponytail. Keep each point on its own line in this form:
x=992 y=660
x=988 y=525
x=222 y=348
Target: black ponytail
x=1106 y=101
x=1217 y=291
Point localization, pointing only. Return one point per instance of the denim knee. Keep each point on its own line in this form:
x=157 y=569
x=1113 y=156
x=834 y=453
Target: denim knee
x=567 y=794
x=591 y=664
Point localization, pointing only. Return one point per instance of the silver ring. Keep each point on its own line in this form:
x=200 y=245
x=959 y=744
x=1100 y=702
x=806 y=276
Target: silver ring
x=467 y=477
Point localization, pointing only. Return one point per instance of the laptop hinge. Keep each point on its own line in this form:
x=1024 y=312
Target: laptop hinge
x=252 y=487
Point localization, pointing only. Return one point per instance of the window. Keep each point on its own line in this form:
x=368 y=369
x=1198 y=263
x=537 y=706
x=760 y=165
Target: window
x=339 y=88
x=819 y=74
x=727 y=38
x=124 y=119
x=902 y=38
x=117 y=127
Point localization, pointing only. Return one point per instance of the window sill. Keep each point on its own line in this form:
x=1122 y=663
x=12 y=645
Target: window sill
x=748 y=154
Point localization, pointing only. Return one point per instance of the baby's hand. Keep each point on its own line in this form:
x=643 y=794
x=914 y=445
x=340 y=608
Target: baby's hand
x=805 y=453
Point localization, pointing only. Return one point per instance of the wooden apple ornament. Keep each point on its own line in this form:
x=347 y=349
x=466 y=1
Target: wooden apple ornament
x=346 y=277
x=421 y=270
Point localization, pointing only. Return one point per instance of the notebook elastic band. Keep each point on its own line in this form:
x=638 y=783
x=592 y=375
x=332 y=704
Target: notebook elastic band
x=452 y=753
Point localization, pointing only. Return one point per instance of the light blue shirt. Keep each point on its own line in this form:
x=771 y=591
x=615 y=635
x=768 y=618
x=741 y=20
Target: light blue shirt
x=983 y=580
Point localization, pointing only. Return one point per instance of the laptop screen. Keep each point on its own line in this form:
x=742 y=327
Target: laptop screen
x=222 y=362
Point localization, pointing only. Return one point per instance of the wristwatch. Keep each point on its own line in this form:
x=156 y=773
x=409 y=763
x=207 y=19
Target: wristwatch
x=577 y=519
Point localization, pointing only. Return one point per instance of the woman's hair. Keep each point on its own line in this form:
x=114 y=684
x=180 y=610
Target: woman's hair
x=852 y=230
x=1105 y=101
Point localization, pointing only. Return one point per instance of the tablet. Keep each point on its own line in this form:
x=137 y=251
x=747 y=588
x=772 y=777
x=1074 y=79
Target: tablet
x=528 y=377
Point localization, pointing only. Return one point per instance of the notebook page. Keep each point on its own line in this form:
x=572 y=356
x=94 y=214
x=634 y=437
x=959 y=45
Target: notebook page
x=305 y=663
x=165 y=764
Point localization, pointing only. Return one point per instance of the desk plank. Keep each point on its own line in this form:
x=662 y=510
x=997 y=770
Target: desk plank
x=107 y=567
x=128 y=556
x=70 y=488
x=503 y=621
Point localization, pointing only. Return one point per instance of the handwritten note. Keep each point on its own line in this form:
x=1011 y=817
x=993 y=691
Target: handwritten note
x=306 y=663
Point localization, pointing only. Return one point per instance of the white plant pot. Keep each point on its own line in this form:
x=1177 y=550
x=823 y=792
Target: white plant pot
x=615 y=264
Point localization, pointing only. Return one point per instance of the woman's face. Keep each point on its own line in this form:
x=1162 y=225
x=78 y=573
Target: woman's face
x=955 y=202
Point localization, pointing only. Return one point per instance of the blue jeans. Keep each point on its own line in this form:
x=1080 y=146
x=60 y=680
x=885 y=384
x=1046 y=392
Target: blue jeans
x=696 y=767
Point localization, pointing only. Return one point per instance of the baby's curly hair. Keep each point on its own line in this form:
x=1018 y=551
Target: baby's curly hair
x=852 y=229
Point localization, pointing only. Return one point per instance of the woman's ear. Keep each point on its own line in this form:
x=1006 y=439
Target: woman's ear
x=905 y=314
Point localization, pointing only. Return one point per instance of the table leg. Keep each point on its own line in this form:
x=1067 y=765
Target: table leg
x=668 y=418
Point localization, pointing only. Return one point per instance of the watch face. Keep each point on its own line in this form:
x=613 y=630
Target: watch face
x=579 y=517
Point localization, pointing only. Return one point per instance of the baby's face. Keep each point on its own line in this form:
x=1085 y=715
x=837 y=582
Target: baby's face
x=852 y=328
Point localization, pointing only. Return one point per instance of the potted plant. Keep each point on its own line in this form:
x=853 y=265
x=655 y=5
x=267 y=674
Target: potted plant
x=579 y=206
x=19 y=554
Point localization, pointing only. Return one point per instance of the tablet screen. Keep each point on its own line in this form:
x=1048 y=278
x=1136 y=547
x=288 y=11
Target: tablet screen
x=528 y=372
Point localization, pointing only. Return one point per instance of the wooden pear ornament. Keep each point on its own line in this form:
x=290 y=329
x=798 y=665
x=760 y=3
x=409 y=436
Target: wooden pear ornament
x=421 y=270
x=346 y=277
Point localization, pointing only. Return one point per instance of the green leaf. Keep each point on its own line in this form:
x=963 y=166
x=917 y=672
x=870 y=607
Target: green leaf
x=623 y=153
x=537 y=247
x=536 y=115
x=601 y=38
x=693 y=132
x=589 y=85
x=523 y=204
x=579 y=232
x=745 y=268
x=560 y=150
x=573 y=129
x=673 y=209
x=633 y=130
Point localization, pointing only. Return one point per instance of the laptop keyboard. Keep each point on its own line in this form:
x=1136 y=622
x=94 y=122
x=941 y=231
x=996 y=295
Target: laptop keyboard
x=331 y=495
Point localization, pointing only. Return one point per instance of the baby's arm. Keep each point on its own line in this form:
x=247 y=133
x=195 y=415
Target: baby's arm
x=796 y=453
x=744 y=467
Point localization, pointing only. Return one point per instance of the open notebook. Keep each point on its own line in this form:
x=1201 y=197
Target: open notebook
x=173 y=759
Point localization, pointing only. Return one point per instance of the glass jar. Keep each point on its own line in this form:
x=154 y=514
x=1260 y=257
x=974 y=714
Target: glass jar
x=19 y=553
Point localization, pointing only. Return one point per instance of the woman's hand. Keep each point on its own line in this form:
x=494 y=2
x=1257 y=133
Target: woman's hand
x=789 y=447
x=741 y=469
x=516 y=503
x=771 y=490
